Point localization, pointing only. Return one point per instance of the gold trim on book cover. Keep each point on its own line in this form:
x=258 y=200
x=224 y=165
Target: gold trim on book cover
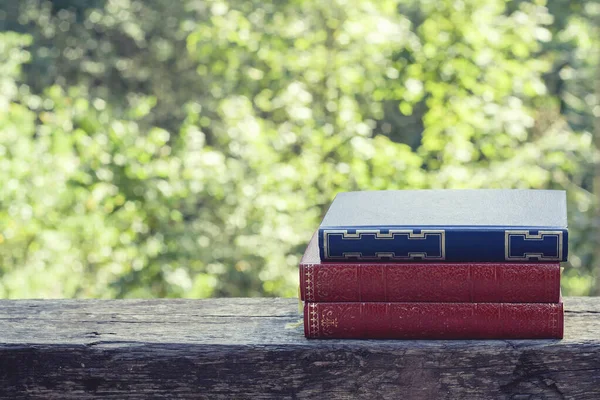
x=534 y=237
x=392 y=233
x=313 y=320
x=309 y=285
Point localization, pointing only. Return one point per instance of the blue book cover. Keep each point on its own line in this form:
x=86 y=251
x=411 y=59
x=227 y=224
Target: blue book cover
x=511 y=225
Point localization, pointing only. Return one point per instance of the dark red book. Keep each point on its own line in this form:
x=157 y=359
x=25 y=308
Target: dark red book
x=426 y=282
x=433 y=320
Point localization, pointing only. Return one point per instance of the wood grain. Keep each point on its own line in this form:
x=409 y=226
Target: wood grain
x=247 y=348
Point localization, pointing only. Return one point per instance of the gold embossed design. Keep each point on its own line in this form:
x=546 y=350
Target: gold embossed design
x=392 y=233
x=313 y=320
x=326 y=323
x=329 y=318
x=310 y=282
x=529 y=236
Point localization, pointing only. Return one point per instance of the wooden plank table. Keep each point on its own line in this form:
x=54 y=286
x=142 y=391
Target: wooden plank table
x=250 y=348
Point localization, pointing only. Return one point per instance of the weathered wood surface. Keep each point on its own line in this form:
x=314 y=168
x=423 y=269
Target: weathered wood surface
x=241 y=348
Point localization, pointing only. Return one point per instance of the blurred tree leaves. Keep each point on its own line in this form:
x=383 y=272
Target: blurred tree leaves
x=191 y=148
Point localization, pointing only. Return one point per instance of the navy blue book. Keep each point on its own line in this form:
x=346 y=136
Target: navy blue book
x=446 y=225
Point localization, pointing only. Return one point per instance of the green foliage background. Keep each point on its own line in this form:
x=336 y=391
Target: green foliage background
x=190 y=148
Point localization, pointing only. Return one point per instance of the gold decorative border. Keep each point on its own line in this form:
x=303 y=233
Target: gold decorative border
x=313 y=320
x=309 y=283
x=409 y=233
x=529 y=236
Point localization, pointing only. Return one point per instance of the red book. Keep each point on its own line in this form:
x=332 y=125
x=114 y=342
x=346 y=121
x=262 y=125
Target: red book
x=433 y=320
x=426 y=282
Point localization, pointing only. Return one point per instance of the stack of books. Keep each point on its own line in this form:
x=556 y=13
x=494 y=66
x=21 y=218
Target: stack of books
x=437 y=264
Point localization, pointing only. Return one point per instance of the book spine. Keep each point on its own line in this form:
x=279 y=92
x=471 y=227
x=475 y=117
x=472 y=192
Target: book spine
x=433 y=321
x=435 y=244
x=428 y=282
